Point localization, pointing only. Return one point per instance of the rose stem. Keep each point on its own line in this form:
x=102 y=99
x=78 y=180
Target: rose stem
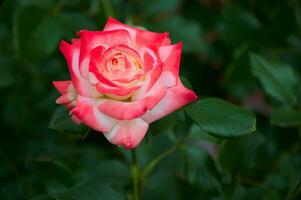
x=151 y=165
x=135 y=174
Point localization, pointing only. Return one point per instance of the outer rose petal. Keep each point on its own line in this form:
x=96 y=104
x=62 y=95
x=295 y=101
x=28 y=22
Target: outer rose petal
x=175 y=98
x=63 y=86
x=65 y=99
x=171 y=56
x=131 y=110
x=128 y=133
x=141 y=37
x=68 y=92
x=82 y=86
x=87 y=112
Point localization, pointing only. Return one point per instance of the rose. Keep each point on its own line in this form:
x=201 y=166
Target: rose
x=123 y=78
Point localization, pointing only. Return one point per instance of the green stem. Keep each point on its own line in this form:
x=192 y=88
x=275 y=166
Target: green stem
x=135 y=175
x=150 y=166
x=139 y=176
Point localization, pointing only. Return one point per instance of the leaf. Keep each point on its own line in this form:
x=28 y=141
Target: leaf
x=36 y=33
x=233 y=17
x=222 y=119
x=43 y=197
x=186 y=83
x=72 y=22
x=277 y=79
x=108 y=171
x=6 y=72
x=238 y=77
x=196 y=133
x=240 y=154
x=47 y=169
x=187 y=31
x=62 y=122
x=201 y=169
x=11 y=189
x=156 y=7
x=284 y=14
x=89 y=190
x=106 y=176
x=156 y=180
x=286 y=117
x=38 y=3
x=163 y=125
x=295 y=192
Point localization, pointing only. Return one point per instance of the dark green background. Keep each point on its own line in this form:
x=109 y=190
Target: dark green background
x=45 y=156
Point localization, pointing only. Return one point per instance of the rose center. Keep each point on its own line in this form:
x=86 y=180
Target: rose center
x=114 y=61
x=122 y=66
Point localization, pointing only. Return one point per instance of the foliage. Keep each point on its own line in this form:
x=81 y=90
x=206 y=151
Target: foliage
x=241 y=57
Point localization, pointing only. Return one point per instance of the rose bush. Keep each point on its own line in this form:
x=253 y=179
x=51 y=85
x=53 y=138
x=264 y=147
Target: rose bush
x=122 y=79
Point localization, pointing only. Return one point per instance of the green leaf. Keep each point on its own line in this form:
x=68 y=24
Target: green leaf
x=89 y=190
x=233 y=17
x=38 y=3
x=277 y=79
x=43 y=197
x=200 y=169
x=36 y=33
x=222 y=119
x=156 y=7
x=153 y=189
x=164 y=125
x=72 y=22
x=108 y=171
x=105 y=175
x=6 y=72
x=186 y=82
x=196 y=133
x=48 y=169
x=295 y=192
x=187 y=31
x=62 y=122
x=240 y=154
x=286 y=117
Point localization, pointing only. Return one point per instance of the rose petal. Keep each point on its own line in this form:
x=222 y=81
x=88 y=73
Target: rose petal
x=148 y=83
x=148 y=61
x=87 y=112
x=65 y=98
x=75 y=119
x=96 y=55
x=93 y=39
x=146 y=38
x=82 y=86
x=128 y=133
x=130 y=110
x=99 y=61
x=171 y=56
x=118 y=91
x=68 y=92
x=63 y=86
x=175 y=98
x=141 y=37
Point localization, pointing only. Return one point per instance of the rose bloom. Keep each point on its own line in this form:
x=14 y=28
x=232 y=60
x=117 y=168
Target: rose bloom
x=122 y=79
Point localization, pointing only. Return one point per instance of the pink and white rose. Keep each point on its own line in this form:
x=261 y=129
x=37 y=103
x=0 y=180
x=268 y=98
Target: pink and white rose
x=122 y=79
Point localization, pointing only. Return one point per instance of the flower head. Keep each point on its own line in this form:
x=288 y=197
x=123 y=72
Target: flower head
x=122 y=79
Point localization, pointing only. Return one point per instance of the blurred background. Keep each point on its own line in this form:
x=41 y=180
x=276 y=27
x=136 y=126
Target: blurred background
x=43 y=155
